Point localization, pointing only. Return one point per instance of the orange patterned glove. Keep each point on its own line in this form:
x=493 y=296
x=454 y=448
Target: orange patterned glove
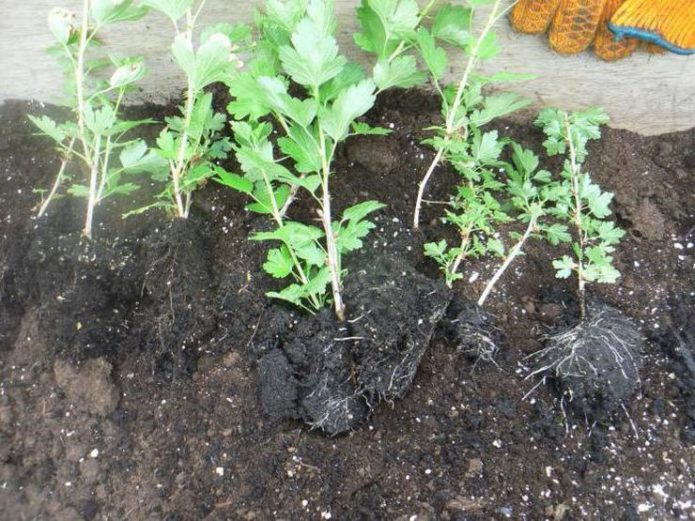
x=668 y=23
x=574 y=25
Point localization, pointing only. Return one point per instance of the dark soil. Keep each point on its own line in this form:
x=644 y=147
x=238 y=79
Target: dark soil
x=146 y=376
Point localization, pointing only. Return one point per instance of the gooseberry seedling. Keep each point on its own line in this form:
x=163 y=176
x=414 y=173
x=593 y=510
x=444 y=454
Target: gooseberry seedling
x=96 y=132
x=465 y=109
x=297 y=44
x=580 y=201
x=191 y=142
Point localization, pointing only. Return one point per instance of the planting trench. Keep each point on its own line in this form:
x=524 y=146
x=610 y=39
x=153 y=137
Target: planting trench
x=146 y=376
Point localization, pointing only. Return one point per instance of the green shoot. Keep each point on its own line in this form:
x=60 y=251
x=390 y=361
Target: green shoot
x=531 y=194
x=96 y=133
x=191 y=142
x=580 y=201
x=464 y=108
x=474 y=210
x=297 y=44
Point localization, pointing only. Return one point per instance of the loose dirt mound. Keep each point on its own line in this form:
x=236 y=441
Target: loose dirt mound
x=113 y=420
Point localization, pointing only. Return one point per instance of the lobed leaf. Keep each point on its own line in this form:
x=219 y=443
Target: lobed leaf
x=350 y=104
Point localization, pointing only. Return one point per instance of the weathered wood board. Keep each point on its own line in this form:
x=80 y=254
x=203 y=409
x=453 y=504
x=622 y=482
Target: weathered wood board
x=644 y=93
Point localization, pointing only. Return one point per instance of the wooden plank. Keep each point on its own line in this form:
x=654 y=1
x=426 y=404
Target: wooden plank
x=644 y=93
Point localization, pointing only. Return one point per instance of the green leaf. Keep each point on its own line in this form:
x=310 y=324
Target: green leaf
x=322 y=13
x=279 y=264
x=301 y=147
x=194 y=177
x=495 y=246
x=174 y=9
x=127 y=74
x=79 y=191
x=234 y=181
x=212 y=61
x=61 y=23
x=111 y=11
x=167 y=145
x=361 y=210
x=506 y=77
x=435 y=57
x=292 y=294
x=235 y=32
x=292 y=233
x=486 y=148
x=524 y=159
x=363 y=129
x=275 y=90
x=400 y=72
x=121 y=189
x=352 y=103
x=563 y=267
x=137 y=157
x=599 y=203
x=349 y=238
x=209 y=65
x=557 y=233
x=285 y=13
x=373 y=37
x=313 y=58
x=49 y=127
x=351 y=74
x=246 y=101
x=488 y=48
x=452 y=24
x=263 y=204
x=436 y=250
x=384 y=23
x=184 y=55
x=496 y=106
x=98 y=121
x=318 y=283
x=399 y=17
x=311 y=253
x=610 y=233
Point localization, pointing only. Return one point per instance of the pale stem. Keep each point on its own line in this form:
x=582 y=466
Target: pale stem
x=178 y=170
x=507 y=261
x=331 y=247
x=465 y=237
x=423 y=185
x=79 y=77
x=107 y=155
x=581 y=288
x=451 y=128
x=56 y=184
x=93 y=176
x=92 y=163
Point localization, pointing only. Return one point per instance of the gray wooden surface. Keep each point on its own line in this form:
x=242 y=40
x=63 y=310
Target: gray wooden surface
x=647 y=94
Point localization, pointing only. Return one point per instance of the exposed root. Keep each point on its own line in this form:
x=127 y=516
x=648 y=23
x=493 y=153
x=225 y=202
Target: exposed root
x=595 y=363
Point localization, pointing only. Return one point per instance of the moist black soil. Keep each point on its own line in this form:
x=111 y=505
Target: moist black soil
x=146 y=376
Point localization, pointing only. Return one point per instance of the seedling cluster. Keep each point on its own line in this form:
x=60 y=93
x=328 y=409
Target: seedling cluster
x=295 y=101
